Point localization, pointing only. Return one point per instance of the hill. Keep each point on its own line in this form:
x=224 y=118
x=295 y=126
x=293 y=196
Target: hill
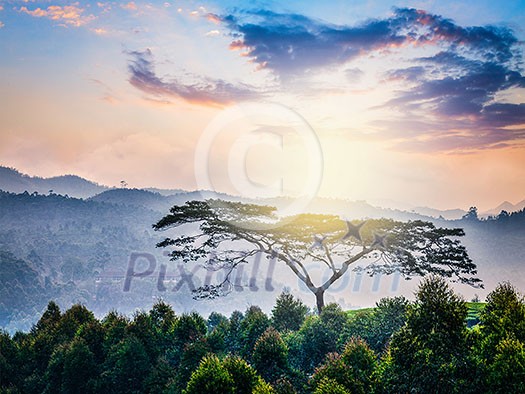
x=12 y=180
x=505 y=206
x=79 y=250
x=155 y=201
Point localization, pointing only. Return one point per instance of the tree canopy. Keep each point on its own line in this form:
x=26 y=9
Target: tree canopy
x=425 y=347
x=224 y=235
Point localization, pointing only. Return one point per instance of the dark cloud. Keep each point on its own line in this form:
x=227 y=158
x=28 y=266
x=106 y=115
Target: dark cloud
x=493 y=43
x=449 y=99
x=410 y=74
x=207 y=91
x=454 y=91
x=503 y=115
x=291 y=44
x=460 y=95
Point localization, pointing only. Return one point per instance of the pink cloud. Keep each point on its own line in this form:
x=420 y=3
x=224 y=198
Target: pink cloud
x=213 y=18
x=70 y=14
x=131 y=6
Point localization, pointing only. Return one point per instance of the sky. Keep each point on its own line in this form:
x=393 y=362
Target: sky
x=412 y=102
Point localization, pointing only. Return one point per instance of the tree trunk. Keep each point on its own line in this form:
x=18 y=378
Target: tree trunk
x=319 y=298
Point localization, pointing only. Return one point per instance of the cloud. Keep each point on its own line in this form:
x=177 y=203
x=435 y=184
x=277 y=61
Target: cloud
x=105 y=7
x=108 y=94
x=206 y=91
x=292 y=44
x=459 y=93
x=503 y=115
x=131 y=6
x=289 y=44
x=213 y=18
x=463 y=94
x=498 y=125
x=410 y=74
x=99 y=31
x=491 y=42
x=453 y=91
x=464 y=142
x=354 y=74
x=71 y=15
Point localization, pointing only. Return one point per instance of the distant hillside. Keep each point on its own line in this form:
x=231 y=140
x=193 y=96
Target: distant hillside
x=505 y=206
x=164 y=192
x=162 y=203
x=134 y=197
x=79 y=250
x=11 y=180
x=346 y=208
x=449 y=214
x=161 y=200
x=154 y=200
x=73 y=250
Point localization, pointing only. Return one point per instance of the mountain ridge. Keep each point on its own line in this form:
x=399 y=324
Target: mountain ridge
x=12 y=180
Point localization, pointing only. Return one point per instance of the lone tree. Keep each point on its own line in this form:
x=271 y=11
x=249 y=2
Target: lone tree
x=224 y=235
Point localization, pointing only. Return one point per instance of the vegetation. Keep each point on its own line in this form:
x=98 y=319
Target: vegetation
x=424 y=346
x=66 y=249
x=76 y=251
x=436 y=343
x=232 y=233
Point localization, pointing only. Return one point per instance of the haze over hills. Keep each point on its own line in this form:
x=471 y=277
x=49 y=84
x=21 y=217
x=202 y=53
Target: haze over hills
x=157 y=201
x=11 y=180
x=505 y=206
x=75 y=250
x=78 y=250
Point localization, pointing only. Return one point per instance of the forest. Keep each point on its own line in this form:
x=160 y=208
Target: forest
x=76 y=250
x=93 y=337
x=427 y=345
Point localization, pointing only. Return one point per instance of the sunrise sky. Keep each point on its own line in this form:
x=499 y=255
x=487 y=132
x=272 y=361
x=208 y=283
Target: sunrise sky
x=421 y=102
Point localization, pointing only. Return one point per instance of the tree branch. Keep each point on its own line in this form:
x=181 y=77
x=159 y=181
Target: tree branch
x=336 y=275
